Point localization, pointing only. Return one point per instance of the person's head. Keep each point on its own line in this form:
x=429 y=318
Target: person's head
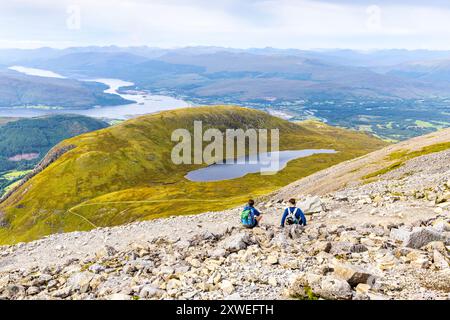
x=251 y=202
x=292 y=202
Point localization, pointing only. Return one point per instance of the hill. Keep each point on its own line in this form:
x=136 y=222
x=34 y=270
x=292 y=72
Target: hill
x=382 y=239
x=124 y=173
x=20 y=90
x=24 y=142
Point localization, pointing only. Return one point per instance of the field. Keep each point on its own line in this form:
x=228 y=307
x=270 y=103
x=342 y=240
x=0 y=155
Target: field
x=10 y=179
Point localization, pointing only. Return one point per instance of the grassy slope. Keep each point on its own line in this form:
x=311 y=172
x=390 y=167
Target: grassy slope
x=124 y=173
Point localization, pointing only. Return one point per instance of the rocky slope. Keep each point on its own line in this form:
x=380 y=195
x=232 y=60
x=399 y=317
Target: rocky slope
x=387 y=239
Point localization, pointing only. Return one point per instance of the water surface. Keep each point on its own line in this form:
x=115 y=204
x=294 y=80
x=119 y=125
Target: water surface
x=144 y=103
x=225 y=171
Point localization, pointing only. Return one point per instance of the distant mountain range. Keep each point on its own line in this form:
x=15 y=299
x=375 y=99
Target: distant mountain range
x=247 y=75
x=394 y=94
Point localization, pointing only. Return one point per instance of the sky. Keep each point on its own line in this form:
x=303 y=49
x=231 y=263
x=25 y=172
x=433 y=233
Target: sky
x=302 y=24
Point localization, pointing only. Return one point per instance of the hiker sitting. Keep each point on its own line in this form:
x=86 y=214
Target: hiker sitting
x=250 y=217
x=293 y=215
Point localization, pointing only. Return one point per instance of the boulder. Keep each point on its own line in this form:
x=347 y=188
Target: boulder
x=420 y=237
x=399 y=234
x=236 y=242
x=358 y=248
x=218 y=253
x=313 y=286
x=80 y=281
x=335 y=289
x=31 y=291
x=311 y=205
x=352 y=274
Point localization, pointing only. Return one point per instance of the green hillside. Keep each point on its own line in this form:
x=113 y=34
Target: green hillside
x=124 y=173
x=35 y=137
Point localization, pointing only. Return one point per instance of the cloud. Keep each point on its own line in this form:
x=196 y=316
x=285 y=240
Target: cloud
x=252 y=23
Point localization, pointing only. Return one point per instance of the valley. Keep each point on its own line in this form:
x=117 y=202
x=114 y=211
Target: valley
x=134 y=104
x=369 y=92
x=124 y=173
x=237 y=152
x=18 y=90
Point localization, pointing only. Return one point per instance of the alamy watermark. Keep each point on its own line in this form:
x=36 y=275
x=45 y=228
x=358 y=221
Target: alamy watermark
x=373 y=22
x=233 y=146
x=73 y=21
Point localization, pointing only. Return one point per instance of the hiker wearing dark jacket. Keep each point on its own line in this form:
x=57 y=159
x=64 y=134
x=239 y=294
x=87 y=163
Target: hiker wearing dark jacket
x=250 y=217
x=293 y=215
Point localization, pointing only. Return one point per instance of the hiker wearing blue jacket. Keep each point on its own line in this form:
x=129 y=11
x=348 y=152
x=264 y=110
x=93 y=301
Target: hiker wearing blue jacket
x=250 y=217
x=293 y=215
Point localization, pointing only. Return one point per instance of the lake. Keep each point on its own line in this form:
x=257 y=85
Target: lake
x=144 y=103
x=224 y=171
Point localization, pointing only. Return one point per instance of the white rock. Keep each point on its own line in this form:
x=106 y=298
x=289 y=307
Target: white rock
x=272 y=259
x=227 y=287
x=419 y=237
x=333 y=288
x=440 y=261
x=80 y=281
x=311 y=205
x=236 y=242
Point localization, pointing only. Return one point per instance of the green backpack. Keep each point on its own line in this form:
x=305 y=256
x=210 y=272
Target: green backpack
x=247 y=217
